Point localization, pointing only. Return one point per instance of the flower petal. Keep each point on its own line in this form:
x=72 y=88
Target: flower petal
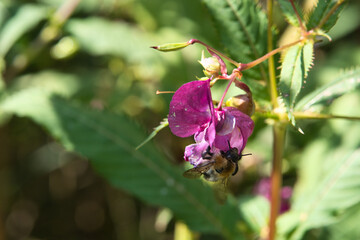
x=193 y=153
x=243 y=122
x=234 y=138
x=226 y=123
x=190 y=108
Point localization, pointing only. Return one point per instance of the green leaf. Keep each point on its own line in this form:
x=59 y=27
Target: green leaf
x=99 y=37
x=63 y=84
x=296 y=64
x=259 y=91
x=324 y=96
x=26 y=18
x=322 y=9
x=338 y=190
x=163 y=124
x=347 y=228
x=109 y=142
x=242 y=27
x=289 y=12
x=255 y=210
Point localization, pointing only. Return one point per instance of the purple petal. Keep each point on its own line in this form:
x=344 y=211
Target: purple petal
x=234 y=138
x=190 y=108
x=208 y=134
x=243 y=122
x=193 y=153
x=226 y=123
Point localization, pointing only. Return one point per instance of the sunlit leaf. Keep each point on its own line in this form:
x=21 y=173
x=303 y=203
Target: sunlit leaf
x=63 y=84
x=26 y=18
x=347 y=228
x=289 y=12
x=109 y=142
x=324 y=96
x=99 y=36
x=296 y=64
x=338 y=190
x=322 y=9
x=256 y=212
x=242 y=27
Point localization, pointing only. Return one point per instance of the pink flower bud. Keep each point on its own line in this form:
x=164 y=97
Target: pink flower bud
x=243 y=102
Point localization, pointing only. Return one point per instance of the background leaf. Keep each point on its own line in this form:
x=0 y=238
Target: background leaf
x=242 y=27
x=133 y=47
x=322 y=8
x=346 y=229
x=338 y=190
x=26 y=18
x=289 y=12
x=109 y=142
x=255 y=210
x=347 y=82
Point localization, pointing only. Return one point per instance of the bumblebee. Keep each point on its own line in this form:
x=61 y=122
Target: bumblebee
x=219 y=168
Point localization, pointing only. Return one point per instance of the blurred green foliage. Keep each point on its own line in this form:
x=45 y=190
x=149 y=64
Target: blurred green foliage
x=77 y=97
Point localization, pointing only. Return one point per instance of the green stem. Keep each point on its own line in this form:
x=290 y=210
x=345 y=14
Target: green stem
x=272 y=79
x=279 y=130
x=303 y=115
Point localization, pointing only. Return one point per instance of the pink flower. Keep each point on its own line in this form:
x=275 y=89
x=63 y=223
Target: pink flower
x=263 y=188
x=192 y=113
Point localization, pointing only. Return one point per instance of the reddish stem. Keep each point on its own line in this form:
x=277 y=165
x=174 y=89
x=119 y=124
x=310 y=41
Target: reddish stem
x=231 y=80
x=302 y=26
x=276 y=177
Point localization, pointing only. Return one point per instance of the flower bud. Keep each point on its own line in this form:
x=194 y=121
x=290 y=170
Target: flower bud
x=211 y=66
x=171 y=46
x=243 y=102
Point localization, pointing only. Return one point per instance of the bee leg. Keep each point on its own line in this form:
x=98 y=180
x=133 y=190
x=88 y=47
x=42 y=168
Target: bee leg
x=207 y=154
x=229 y=144
x=236 y=169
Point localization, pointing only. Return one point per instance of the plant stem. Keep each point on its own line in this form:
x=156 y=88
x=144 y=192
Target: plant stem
x=231 y=80
x=307 y=115
x=276 y=176
x=272 y=76
x=192 y=41
x=304 y=115
x=302 y=26
x=269 y=55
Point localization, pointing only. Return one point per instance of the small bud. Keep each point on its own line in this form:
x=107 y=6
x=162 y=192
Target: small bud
x=242 y=102
x=171 y=46
x=211 y=66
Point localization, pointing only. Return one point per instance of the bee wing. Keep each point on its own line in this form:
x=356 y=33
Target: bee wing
x=220 y=190
x=199 y=170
